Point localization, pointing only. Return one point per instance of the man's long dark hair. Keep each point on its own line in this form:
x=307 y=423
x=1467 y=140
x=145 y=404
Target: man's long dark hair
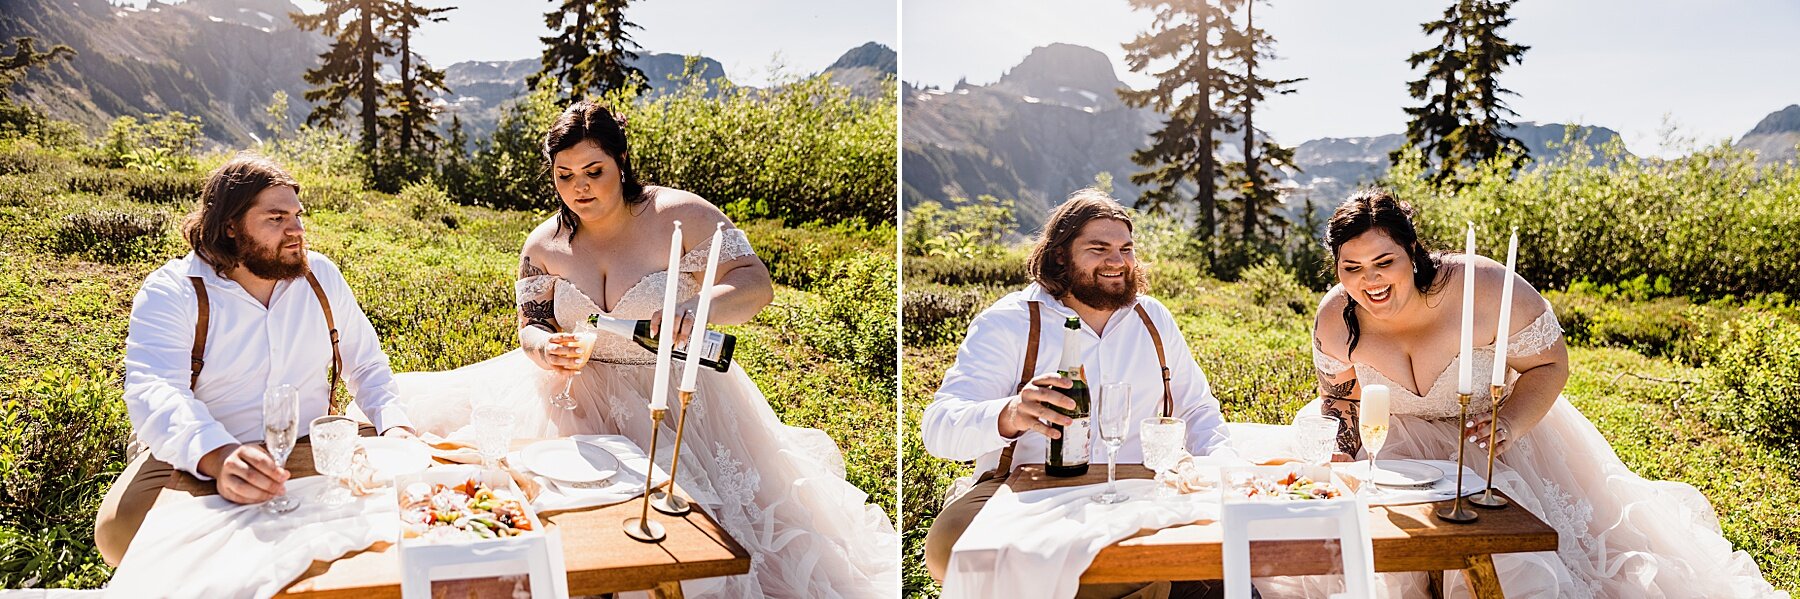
x=1049 y=261
x=229 y=192
x=1374 y=208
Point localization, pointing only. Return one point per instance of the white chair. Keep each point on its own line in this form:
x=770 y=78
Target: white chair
x=1245 y=521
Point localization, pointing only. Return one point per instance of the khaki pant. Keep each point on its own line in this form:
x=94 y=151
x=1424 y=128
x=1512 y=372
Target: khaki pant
x=126 y=503
x=955 y=518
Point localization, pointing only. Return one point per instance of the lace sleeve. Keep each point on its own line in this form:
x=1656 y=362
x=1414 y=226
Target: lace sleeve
x=1327 y=364
x=734 y=245
x=533 y=288
x=1537 y=337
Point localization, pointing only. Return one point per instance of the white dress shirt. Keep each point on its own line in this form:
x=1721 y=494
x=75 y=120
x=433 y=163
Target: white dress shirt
x=249 y=348
x=963 y=421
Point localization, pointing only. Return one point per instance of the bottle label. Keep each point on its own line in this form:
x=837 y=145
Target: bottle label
x=711 y=346
x=1075 y=442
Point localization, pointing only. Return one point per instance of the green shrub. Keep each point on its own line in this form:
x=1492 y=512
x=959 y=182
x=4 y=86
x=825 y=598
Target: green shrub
x=1755 y=376
x=28 y=188
x=853 y=317
x=111 y=235
x=429 y=203
x=972 y=229
x=1005 y=270
x=160 y=142
x=1271 y=285
x=62 y=441
x=936 y=314
x=801 y=256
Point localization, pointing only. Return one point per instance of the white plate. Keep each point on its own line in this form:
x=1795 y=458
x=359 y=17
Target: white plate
x=396 y=457
x=569 y=460
x=1405 y=473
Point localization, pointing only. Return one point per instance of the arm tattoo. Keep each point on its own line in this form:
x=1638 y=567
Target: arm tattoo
x=1349 y=440
x=1330 y=389
x=538 y=313
x=527 y=269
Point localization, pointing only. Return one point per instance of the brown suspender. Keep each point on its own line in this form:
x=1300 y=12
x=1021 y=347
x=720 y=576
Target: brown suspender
x=197 y=360
x=1030 y=367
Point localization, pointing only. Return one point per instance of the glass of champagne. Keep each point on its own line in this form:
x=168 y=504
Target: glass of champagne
x=1110 y=413
x=493 y=431
x=1373 y=425
x=585 y=336
x=281 y=423
x=333 y=441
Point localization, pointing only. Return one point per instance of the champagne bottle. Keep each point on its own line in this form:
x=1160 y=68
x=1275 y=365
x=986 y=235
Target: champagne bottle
x=715 y=349
x=1068 y=455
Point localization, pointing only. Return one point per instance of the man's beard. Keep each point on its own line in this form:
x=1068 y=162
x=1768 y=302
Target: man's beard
x=267 y=262
x=1089 y=289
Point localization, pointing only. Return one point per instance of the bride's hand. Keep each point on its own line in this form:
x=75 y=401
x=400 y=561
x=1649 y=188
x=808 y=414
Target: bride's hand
x=560 y=353
x=1477 y=433
x=684 y=324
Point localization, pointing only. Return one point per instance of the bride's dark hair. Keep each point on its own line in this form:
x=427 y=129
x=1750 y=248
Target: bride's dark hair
x=585 y=121
x=1372 y=208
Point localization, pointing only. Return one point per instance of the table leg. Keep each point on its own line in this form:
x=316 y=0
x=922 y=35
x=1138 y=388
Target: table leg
x=1435 y=583
x=1483 y=582
x=667 y=590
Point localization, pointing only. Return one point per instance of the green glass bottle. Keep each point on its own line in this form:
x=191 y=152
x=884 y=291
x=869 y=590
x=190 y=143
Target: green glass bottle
x=1068 y=454
x=715 y=350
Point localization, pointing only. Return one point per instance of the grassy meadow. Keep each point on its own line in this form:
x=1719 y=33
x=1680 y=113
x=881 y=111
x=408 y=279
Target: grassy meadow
x=78 y=233
x=1691 y=374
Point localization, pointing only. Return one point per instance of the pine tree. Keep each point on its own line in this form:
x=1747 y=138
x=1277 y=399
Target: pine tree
x=1183 y=149
x=26 y=57
x=592 y=50
x=349 y=67
x=1463 y=119
x=413 y=117
x=1257 y=174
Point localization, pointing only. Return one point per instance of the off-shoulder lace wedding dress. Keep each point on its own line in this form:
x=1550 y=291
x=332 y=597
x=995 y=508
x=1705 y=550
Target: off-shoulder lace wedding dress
x=778 y=489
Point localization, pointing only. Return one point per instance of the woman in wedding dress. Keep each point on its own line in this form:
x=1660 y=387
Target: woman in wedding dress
x=1394 y=320
x=779 y=490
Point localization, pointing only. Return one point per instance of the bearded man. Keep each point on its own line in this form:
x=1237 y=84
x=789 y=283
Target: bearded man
x=249 y=309
x=1083 y=266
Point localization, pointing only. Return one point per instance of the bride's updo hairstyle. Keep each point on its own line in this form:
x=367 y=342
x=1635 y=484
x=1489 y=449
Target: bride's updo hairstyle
x=586 y=121
x=1374 y=208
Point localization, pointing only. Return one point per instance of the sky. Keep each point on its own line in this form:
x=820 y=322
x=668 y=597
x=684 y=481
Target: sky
x=747 y=36
x=1710 y=69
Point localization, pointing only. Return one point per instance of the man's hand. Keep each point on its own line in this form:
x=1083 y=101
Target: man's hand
x=245 y=473
x=1031 y=410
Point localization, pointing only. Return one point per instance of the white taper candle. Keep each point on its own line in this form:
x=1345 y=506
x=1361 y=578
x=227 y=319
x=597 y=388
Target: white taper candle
x=665 y=350
x=697 y=338
x=1465 y=370
x=1506 y=295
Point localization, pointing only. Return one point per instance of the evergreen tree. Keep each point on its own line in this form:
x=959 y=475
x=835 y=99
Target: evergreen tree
x=592 y=51
x=1463 y=119
x=26 y=57
x=349 y=67
x=1183 y=149
x=413 y=117
x=1256 y=176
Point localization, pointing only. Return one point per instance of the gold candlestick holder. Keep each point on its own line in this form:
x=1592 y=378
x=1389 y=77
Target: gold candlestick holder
x=1456 y=511
x=665 y=500
x=642 y=527
x=1488 y=499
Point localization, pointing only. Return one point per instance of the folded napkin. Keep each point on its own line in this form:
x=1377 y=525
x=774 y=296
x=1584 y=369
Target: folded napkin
x=626 y=485
x=1443 y=489
x=211 y=547
x=1037 y=543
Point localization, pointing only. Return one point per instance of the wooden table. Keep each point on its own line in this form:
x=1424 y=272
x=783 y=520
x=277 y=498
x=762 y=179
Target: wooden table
x=1406 y=538
x=597 y=554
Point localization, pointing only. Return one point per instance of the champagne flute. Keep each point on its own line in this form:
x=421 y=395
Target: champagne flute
x=281 y=423
x=1110 y=417
x=333 y=441
x=585 y=336
x=1373 y=425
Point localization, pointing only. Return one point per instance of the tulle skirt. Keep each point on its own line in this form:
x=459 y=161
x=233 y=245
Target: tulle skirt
x=1619 y=534
x=779 y=490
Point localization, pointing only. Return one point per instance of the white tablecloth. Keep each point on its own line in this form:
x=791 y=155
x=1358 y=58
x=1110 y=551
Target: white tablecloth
x=211 y=547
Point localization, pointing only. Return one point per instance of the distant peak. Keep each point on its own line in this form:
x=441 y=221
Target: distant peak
x=870 y=55
x=1064 y=66
x=1786 y=120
